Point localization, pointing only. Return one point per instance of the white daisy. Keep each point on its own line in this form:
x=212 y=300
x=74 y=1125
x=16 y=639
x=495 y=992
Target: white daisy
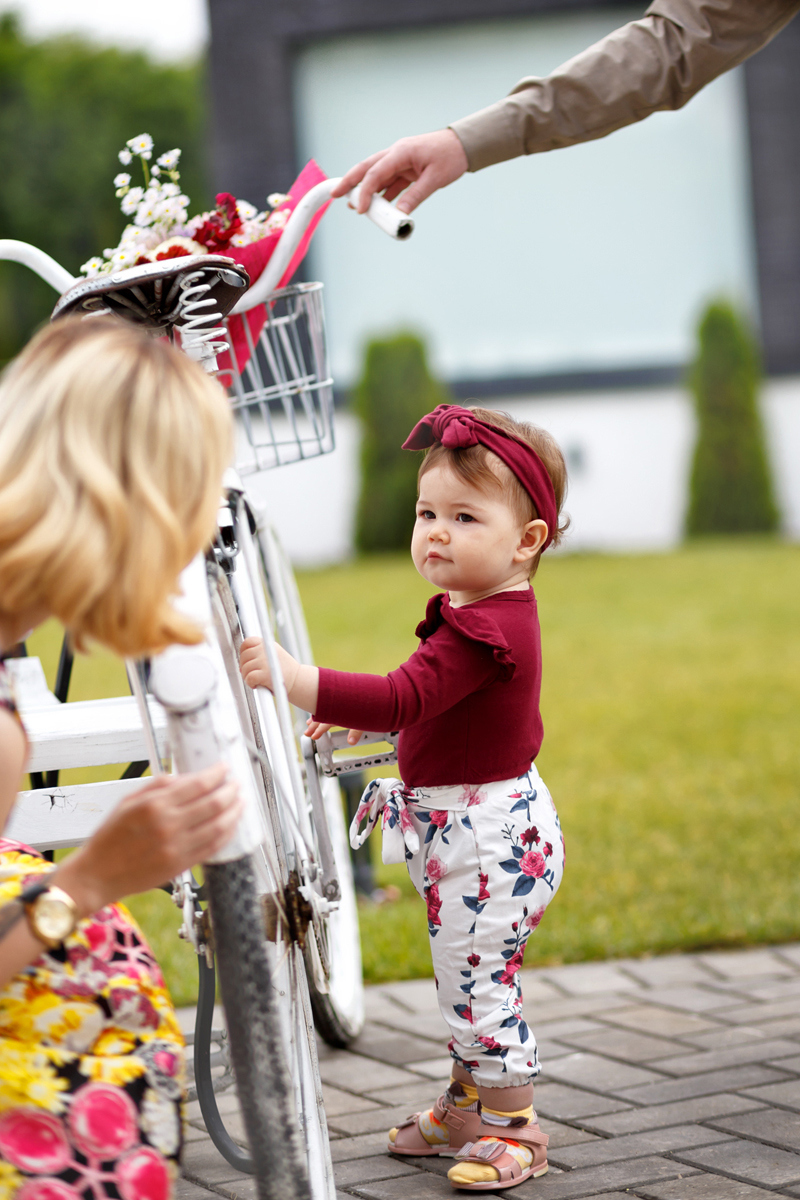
x=246 y=211
x=92 y=267
x=274 y=200
x=125 y=157
x=169 y=160
x=141 y=146
x=122 y=180
x=131 y=200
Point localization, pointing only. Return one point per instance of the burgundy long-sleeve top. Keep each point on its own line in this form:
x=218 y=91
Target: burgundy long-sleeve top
x=467 y=701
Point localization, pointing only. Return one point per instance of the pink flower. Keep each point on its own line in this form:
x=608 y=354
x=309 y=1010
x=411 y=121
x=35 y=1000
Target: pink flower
x=47 y=1189
x=405 y=820
x=101 y=938
x=533 y=920
x=483 y=891
x=143 y=1175
x=34 y=1141
x=472 y=795
x=440 y=818
x=103 y=1121
x=490 y=1043
x=434 y=904
x=435 y=868
x=547 y=849
x=474 y=959
x=530 y=836
x=532 y=863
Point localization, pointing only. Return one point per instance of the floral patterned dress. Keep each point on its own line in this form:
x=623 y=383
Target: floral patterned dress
x=91 y=1059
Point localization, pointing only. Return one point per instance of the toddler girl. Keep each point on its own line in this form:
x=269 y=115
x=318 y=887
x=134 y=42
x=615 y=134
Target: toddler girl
x=472 y=817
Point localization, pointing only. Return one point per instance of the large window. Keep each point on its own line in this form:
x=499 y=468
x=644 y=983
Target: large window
x=595 y=257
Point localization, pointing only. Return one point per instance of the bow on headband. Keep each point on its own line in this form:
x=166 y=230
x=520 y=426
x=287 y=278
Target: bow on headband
x=456 y=428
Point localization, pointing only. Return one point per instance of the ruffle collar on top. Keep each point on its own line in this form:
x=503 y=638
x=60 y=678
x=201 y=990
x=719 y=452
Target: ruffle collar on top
x=474 y=622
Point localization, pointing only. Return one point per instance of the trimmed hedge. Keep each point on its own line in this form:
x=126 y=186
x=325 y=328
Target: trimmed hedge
x=395 y=390
x=731 y=488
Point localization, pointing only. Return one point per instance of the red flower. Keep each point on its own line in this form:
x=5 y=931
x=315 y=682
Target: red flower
x=434 y=904
x=547 y=849
x=483 y=891
x=439 y=819
x=173 y=252
x=512 y=966
x=530 y=836
x=532 y=863
x=474 y=959
x=216 y=232
x=515 y=926
x=490 y=1043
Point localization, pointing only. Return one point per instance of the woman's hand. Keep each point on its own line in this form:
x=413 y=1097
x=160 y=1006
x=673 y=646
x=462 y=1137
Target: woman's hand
x=172 y=823
x=315 y=730
x=301 y=681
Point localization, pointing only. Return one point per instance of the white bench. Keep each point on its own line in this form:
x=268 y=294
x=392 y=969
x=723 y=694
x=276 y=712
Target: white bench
x=84 y=733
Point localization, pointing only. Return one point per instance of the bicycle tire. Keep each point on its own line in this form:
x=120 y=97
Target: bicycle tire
x=339 y=1010
x=292 y=1023
x=238 y=1157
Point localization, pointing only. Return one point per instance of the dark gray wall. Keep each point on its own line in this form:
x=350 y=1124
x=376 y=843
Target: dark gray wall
x=773 y=95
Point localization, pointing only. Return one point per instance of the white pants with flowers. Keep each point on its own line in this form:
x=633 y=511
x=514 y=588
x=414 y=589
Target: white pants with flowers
x=487 y=860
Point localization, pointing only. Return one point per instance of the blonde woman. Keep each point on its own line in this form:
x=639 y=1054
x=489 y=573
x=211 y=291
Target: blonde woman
x=112 y=448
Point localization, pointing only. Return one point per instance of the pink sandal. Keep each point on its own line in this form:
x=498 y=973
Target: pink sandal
x=496 y=1155
x=461 y=1126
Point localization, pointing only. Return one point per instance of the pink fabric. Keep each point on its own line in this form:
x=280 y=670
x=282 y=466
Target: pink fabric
x=466 y=702
x=457 y=428
x=254 y=259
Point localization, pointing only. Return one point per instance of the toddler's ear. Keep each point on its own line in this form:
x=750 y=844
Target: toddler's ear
x=534 y=536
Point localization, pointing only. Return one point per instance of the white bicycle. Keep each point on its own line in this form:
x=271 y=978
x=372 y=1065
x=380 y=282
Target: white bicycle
x=283 y=929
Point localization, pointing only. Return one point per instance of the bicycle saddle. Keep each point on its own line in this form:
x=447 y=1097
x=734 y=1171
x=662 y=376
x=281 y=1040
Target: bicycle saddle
x=151 y=295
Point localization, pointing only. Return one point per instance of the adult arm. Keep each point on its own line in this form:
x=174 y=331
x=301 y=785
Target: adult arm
x=649 y=65
x=168 y=825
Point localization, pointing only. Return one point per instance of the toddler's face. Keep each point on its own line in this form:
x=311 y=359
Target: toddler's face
x=465 y=539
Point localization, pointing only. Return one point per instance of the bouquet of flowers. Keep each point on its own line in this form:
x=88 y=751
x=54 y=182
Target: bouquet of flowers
x=161 y=227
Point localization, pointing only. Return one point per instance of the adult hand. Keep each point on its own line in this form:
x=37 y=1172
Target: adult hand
x=421 y=164
x=170 y=824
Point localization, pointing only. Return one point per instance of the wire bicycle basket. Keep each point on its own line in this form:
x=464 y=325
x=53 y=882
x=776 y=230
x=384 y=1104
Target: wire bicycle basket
x=283 y=393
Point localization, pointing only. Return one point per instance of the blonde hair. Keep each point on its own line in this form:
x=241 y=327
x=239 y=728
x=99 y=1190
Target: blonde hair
x=112 y=449
x=482 y=469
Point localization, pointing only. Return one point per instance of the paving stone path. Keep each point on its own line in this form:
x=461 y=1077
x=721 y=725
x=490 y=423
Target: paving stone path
x=674 y=1078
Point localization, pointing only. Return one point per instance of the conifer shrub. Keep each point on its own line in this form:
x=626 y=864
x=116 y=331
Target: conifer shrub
x=730 y=488
x=395 y=390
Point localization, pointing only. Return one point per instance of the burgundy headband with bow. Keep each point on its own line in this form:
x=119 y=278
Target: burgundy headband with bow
x=457 y=428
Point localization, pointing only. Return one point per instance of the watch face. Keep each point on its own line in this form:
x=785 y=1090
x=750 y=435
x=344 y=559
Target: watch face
x=54 y=919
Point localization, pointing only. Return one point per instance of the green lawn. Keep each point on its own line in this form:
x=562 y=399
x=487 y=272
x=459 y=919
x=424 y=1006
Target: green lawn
x=671 y=705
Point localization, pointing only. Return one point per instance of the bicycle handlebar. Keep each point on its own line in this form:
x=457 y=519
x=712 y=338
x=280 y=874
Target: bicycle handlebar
x=384 y=215
x=30 y=256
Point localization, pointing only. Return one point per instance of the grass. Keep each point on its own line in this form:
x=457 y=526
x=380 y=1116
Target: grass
x=671 y=704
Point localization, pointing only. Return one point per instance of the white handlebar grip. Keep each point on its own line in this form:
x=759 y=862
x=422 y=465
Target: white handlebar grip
x=386 y=216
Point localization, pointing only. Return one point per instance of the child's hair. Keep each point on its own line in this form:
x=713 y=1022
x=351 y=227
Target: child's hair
x=112 y=449
x=482 y=469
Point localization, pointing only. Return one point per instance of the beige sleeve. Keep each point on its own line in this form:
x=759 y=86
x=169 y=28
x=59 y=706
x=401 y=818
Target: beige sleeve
x=658 y=62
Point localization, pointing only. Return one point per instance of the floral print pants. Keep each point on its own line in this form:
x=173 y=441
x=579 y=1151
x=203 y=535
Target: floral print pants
x=487 y=860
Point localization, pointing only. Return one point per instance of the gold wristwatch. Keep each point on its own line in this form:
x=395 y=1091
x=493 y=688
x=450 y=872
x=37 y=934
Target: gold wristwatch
x=51 y=914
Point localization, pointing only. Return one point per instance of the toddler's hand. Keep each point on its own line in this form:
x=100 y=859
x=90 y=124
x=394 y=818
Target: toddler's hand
x=315 y=730
x=254 y=664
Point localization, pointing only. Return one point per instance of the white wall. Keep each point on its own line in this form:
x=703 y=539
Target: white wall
x=602 y=254
x=629 y=455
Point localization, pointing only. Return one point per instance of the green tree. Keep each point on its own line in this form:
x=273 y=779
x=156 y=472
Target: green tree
x=66 y=109
x=730 y=488
x=395 y=390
